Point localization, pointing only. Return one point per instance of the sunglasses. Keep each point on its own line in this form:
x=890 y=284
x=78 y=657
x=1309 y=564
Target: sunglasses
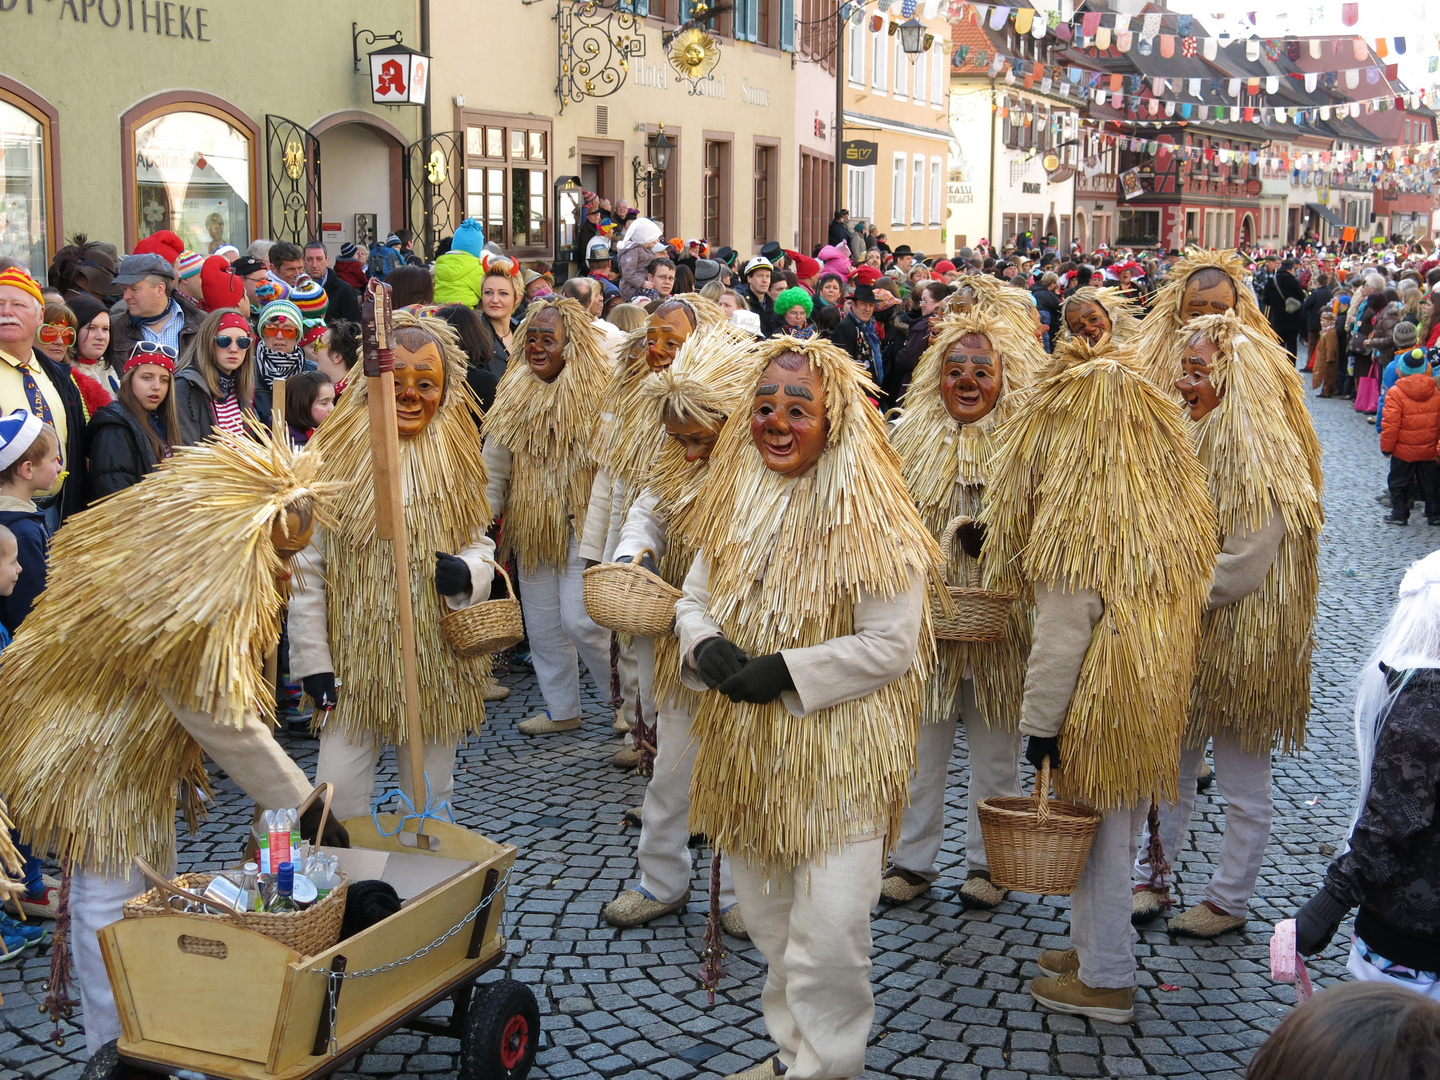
x=224 y=341
x=154 y=348
x=280 y=330
x=57 y=334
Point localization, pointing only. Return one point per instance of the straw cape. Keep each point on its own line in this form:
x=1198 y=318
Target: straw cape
x=92 y=764
x=1254 y=678
x=944 y=463
x=709 y=381
x=549 y=428
x=788 y=560
x=628 y=437
x=443 y=477
x=1159 y=350
x=1140 y=531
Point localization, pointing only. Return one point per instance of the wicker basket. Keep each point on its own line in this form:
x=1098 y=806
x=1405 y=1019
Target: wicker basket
x=627 y=598
x=1034 y=845
x=980 y=615
x=486 y=627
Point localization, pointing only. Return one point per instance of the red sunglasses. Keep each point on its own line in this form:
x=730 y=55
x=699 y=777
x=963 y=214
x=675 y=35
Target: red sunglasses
x=57 y=334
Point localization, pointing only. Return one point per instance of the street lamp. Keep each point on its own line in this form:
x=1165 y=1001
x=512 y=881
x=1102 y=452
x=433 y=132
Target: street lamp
x=912 y=36
x=649 y=175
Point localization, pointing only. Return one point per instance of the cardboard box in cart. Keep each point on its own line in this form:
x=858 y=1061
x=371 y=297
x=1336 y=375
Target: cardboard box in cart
x=259 y=1011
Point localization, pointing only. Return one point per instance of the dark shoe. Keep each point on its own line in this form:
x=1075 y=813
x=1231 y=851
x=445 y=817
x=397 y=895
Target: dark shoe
x=1432 y=521
x=1206 y=780
x=1393 y=520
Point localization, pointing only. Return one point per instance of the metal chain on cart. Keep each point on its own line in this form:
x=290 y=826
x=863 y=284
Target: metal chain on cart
x=335 y=978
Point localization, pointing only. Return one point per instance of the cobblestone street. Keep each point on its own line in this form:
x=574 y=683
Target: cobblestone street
x=949 y=983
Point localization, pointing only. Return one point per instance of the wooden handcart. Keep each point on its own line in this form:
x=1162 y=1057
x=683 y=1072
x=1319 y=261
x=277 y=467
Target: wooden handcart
x=260 y=1011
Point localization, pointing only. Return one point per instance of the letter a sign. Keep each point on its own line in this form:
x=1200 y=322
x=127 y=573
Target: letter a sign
x=399 y=76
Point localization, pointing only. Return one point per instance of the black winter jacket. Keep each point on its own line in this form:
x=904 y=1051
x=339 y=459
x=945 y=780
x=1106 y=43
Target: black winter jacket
x=1392 y=870
x=32 y=540
x=118 y=451
x=196 y=408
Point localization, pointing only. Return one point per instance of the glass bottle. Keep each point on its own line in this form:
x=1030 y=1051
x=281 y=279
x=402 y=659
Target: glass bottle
x=284 y=888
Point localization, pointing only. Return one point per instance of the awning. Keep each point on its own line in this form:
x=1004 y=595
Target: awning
x=1334 y=220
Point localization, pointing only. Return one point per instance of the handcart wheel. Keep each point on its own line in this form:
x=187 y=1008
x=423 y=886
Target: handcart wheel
x=502 y=1032
x=106 y=1065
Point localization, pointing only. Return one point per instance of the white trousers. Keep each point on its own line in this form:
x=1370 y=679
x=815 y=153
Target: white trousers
x=1423 y=982
x=1243 y=780
x=558 y=627
x=1100 y=927
x=813 y=927
x=994 y=771
x=351 y=768
x=95 y=902
x=663 y=855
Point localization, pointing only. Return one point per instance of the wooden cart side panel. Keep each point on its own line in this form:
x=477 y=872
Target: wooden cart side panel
x=228 y=1006
x=368 y=1003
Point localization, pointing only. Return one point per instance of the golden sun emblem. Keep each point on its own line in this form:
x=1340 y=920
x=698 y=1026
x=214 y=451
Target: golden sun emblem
x=693 y=54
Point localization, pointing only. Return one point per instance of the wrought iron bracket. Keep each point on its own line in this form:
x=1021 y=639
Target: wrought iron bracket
x=371 y=38
x=596 y=41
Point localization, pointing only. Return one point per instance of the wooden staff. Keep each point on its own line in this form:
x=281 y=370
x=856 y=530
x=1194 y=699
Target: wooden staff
x=390 y=518
x=272 y=658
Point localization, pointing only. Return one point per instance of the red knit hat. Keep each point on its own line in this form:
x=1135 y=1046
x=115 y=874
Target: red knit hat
x=805 y=266
x=867 y=275
x=220 y=287
x=163 y=243
x=943 y=267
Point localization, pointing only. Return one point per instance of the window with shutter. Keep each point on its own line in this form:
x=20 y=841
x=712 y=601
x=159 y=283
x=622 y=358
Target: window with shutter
x=787 y=25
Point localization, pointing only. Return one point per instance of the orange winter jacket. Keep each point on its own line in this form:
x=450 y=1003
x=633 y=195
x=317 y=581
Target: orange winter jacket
x=1410 y=428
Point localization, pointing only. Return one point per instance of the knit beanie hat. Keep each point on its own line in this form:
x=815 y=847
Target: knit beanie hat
x=189 y=264
x=1404 y=335
x=1411 y=362
x=19 y=279
x=281 y=309
x=469 y=237
x=793 y=297
x=348 y=250
x=309 y=297
x=18 y=431
x=163 y=243
x=218 y=286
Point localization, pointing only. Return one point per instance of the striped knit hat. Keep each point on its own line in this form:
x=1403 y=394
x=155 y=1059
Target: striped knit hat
x=309 y=297
x=281 y=309
x=189 y=264
x=19 y=279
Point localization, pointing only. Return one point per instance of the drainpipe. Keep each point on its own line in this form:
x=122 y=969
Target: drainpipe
x=991 y=231
x=426 y=129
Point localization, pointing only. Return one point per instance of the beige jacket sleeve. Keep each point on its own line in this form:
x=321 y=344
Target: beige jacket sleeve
x=1064 y=621
x=1244 y=560
x=308 y=620
x=882 y=648
x=252 y=757
x=644 y=527
x=480 y=557
x=597 y=517
x=499 y=464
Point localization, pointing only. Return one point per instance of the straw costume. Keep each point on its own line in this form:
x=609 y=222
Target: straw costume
x=1122 y=315
x=173 y=662
x=945 y=464
x=1252 y=693
x=811 y=588
x=708 y=382
x=539 y=439
x=343 y=619
x=626 y=440
x=1117 y=624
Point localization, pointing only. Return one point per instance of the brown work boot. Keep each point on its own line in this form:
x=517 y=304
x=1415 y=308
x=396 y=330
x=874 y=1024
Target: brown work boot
x=1205 y=920
x=1056 y=962
x=1067 y=994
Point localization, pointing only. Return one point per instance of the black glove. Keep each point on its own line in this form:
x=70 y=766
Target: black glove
x=452 y=575
x=972 y=538
x=1317 y=921
x=716 y=659
x=645 y=560
x=761 y=680
x=334 y=835
x=1038 y=748
x=322 y=690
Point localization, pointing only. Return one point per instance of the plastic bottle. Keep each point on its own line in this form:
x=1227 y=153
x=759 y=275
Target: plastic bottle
x=324 y=871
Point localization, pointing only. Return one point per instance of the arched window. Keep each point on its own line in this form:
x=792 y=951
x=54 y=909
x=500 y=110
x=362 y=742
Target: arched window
x=29 y=209
x=191 y=167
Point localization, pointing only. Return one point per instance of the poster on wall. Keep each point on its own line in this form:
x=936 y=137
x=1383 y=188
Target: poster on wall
x=1130 y=184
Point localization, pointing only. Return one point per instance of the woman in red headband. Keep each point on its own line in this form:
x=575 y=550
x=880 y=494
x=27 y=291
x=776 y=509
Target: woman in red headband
x=215 y=387
x=134 y=433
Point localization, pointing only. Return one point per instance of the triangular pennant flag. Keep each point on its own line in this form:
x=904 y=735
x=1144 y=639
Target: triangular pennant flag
x=1167 y=45
x=1208 y=48
x=1380 y=49
x=1311 y=78
x=999 y=15
x=1023 y=18
x=1315 y=49
x=1102 y=38
x=1272 y=84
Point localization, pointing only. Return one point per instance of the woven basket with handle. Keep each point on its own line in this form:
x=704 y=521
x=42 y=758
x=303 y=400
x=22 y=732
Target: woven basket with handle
x=309 y=932
x=980 y=615
x=1035 y=845
x=486 y=627
x=629 y=599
